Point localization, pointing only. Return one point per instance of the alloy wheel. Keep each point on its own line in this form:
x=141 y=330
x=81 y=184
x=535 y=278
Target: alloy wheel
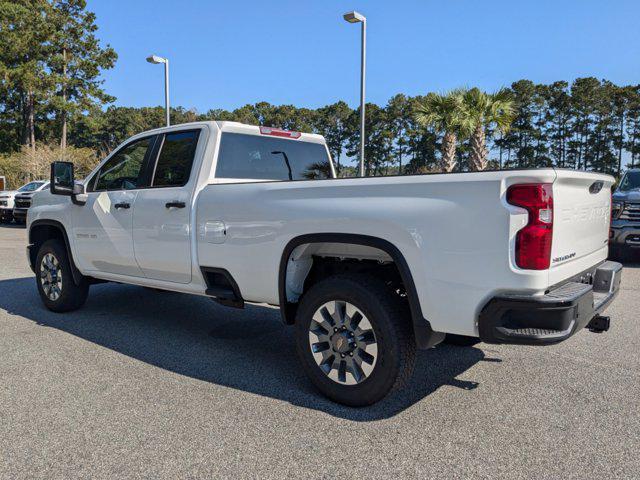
x=343 y=342
x=51 y=277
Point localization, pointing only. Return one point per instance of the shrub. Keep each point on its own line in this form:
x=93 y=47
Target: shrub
x=34 y=164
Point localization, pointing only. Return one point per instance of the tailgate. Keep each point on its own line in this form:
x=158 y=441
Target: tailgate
x=581 y=209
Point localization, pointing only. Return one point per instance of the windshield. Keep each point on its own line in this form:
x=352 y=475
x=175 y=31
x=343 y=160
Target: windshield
x=30 y=187
x=630 y=181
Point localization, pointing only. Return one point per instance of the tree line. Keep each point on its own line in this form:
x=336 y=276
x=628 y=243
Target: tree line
x=51 y=97
x=50 y=64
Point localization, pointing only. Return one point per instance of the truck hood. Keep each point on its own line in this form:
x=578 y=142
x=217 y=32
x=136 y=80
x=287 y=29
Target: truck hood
x=628 y=196
x=8 y=193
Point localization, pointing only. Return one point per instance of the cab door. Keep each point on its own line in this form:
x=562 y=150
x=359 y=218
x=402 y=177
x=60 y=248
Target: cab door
x=102 y=228
x=161 y=217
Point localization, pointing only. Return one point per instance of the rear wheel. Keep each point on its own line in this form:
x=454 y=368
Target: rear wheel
x=54 y=279
x=354 y=339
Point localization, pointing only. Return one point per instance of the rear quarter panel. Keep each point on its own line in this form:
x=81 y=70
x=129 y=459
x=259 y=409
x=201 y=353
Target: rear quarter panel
x=455 y=231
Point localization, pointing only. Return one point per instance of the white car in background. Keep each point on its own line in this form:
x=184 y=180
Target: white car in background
x=7 y=198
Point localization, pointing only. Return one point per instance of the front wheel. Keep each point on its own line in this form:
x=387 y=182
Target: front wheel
x=354 y=339
x=54 y=279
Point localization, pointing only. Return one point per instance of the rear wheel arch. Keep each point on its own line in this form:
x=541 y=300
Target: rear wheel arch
x=44 y=230
x=425 y=336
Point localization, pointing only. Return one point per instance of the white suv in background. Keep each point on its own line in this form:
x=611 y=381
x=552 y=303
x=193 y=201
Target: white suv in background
x=7 y=199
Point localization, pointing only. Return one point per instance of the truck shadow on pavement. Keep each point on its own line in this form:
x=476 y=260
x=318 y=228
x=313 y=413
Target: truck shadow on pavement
x=249 y=350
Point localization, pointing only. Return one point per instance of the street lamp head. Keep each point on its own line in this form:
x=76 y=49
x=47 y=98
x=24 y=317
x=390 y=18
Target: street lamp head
x=354 y=17
x=155 y=59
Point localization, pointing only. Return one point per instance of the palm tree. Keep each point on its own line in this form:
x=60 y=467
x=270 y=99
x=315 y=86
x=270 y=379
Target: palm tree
x=484 y=110
x=446 y=114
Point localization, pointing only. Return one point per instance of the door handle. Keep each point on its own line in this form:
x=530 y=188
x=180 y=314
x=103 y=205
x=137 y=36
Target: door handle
x=124 y=205
x=175 y=205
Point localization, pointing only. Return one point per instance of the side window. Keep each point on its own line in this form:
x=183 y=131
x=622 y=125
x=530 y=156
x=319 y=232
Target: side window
x=175 y=159
x=123 y=171
x=254 y=157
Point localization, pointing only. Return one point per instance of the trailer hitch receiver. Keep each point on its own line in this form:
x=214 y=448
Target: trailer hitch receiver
x=599 y=324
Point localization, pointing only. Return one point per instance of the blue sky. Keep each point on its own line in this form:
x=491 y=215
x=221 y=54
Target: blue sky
x=225 y=53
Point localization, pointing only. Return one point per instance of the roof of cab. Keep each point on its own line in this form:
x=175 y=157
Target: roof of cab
x=237 y=127
x=231 y=127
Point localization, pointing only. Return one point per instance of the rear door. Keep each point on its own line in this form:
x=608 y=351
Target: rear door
x=161 y=217
x=582 y=210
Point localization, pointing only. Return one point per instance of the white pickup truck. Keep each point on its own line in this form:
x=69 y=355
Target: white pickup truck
x=367 y=269
x=14 y=202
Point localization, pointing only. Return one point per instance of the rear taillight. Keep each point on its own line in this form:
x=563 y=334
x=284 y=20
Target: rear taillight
x=533 y=242
x=278 y=132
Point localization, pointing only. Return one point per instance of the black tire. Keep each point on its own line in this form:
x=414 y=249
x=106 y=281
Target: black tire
x=70 y=296
x=461 y=340
x=389 y=318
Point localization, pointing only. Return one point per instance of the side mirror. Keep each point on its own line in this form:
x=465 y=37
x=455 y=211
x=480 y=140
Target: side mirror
x=62 y=182
x=79 y=196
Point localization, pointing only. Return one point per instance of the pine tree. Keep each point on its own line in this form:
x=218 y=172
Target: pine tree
x=76 y=60
x=24 y=33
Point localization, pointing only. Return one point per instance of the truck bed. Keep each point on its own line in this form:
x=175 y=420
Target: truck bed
x=456 y=232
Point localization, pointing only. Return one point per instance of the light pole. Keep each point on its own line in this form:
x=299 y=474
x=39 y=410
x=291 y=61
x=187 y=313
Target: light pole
x=355 y=17
x=156 y=60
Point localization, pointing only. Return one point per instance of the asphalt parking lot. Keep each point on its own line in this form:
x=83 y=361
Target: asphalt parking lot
x=142 y=384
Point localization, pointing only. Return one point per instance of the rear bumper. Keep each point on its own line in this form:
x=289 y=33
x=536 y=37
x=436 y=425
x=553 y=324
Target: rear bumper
x=553 y=317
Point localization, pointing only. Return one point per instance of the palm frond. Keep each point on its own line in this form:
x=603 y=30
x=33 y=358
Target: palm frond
x=503 y=111
x=442 y=111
